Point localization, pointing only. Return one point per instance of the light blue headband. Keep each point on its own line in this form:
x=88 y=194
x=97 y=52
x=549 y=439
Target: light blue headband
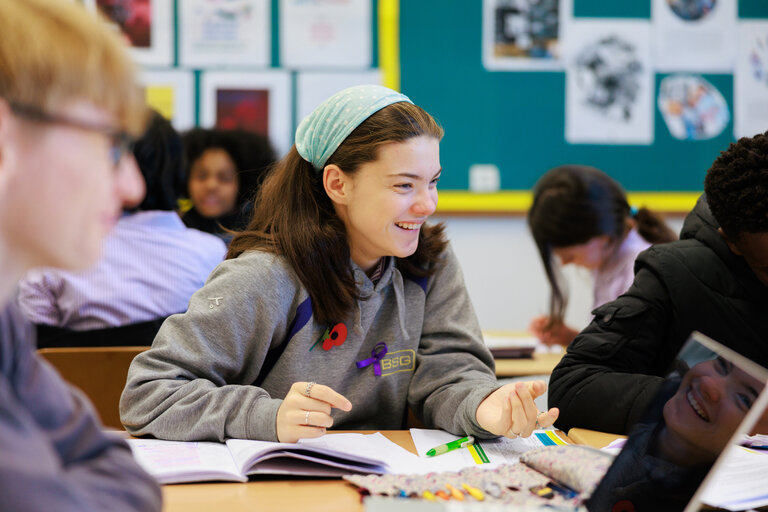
x=321 y=133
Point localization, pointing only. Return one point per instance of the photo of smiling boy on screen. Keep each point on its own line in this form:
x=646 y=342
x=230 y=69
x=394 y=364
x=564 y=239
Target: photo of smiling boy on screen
x=711 y=396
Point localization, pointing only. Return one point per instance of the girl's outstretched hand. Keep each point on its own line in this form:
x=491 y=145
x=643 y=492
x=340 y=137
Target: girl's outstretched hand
x=306 y=411
x=511 y=412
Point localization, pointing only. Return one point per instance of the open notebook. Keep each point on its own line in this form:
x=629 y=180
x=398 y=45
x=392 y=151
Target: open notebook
x=711 y=399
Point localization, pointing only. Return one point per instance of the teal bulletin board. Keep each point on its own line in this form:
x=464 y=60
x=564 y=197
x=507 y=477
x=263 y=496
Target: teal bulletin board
x=516 y=119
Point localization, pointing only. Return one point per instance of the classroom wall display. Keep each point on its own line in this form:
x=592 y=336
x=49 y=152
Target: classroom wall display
x=609 y=82
x=692 y=108
x=216 y=33
x=694 y=35
x=515 y=119
x=751 y=79
x=147 y=25
x=325 y=33
x=258 y=101
x=172 y=93
x=523 y=34
x=313 y=87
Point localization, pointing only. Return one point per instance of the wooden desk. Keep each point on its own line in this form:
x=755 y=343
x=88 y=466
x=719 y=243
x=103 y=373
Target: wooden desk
x=592 y=438
x=539 y=364
x=274 y=494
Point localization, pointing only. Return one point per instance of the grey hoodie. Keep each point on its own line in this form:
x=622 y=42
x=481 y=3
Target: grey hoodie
x=221 y=369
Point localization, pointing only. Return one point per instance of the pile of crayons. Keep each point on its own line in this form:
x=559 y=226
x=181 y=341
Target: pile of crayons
x=509 y=484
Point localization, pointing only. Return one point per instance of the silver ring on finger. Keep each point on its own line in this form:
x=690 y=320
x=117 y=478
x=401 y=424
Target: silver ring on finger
x=306 y=418
x=538 y=425
x=517 y=435
x=308 y=391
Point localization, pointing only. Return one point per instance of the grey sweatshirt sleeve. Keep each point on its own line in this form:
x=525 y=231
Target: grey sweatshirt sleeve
x=55 y=455
x=196 y=382
x=454 y=369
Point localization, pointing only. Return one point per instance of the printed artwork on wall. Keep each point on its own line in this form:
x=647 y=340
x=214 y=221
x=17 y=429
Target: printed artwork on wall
x=258 y=101
x=218 y=33
x=523 y=34
x=692 y=107
x=246 y=109
x=147 y=26
x=609 y=81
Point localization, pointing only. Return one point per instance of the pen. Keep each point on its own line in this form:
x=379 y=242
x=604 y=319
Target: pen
x=444 y=448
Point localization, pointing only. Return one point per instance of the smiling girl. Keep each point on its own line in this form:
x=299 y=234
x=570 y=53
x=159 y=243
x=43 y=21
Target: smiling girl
x=338 y=305
x=225 y=169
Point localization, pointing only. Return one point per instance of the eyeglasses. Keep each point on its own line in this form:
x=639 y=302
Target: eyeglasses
x=121 y=142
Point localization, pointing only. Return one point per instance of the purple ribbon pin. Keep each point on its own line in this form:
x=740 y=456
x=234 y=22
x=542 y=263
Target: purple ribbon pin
x=377 y=354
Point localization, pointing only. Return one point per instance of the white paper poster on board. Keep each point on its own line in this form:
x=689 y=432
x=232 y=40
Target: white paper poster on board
x=172 y=94
x=147 y=25
x=259 y=102
x=216 y=33
x=524 y=34
x=750 y=101
x=694 y=35
x=325 y=34
x=609 y=82
x=692 y=108
x=312 y=88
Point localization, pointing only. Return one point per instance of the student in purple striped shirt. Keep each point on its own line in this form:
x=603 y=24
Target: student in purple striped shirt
x=150 y=266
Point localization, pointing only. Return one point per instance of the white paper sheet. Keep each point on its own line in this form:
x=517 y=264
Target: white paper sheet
x=750 y=102
x=171 y=93
x=499 y=451
x=694 y=36
x=312 y=88
x=739 y=483
x=609 y=82
x=325 y=34
x=216 y=33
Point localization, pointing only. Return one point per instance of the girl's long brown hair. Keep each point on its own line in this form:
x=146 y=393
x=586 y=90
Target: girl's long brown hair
x=294 y=217
x=574 y=203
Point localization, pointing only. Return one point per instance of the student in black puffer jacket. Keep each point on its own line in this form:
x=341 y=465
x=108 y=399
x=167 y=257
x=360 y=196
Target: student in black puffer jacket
x=714 y=280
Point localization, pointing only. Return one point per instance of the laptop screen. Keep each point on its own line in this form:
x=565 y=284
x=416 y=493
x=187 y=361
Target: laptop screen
x=711 y=397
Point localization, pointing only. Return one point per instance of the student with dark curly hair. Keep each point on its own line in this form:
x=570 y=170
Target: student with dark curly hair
x=580 y=216
x=714 y=280
x=225 y=168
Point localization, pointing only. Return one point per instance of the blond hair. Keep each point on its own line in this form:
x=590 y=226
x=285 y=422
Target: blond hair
x=53 y=52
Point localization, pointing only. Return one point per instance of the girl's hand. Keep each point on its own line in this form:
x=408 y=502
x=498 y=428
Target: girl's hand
x=306 y=411
x=511 y=412
x=558 y=334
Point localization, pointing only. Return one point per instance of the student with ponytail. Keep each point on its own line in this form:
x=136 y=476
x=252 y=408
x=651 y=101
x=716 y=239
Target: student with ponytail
x=338 y=306
x=581 y=216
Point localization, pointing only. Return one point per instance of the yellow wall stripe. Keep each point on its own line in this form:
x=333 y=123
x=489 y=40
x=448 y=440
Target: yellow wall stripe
x=389 y=42
x=518 y=201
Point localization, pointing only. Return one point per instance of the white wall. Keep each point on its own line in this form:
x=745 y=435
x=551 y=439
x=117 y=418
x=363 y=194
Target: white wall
x=504 y=274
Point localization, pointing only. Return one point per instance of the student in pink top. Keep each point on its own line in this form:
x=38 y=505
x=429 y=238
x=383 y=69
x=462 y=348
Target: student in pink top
x=581 y=216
